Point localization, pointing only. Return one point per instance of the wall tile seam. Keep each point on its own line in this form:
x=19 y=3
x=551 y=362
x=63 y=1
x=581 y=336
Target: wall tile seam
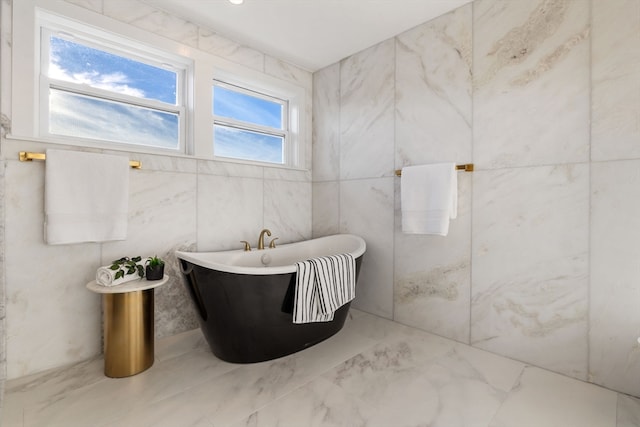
x=601 y=162
x=587 y=374
x=190 y=165
x=143 y=170
x=292 y=181
x=321 y=180
x=260 y=176
x=539 y=165
x=5 y=52
x=395 y=196
x=472 y=5
x=365 y=178
x=197 y=214
x=339 y=137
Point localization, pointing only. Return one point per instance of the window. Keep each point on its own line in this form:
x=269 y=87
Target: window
x=91 y=81
x=249 y=125
x=102 y=91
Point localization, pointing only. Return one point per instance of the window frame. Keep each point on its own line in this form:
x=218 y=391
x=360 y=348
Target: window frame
x=115 y=45
x=256 y=84
x=243 y=125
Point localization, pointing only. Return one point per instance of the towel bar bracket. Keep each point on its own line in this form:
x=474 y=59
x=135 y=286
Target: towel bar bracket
x=27 y=157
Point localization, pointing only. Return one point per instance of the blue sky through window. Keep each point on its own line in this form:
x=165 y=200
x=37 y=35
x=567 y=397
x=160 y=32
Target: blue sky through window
x=88 y=116
x=246 y=108
x=252 y=110
x=85 y=117
x=77 y=63
x=242 y=144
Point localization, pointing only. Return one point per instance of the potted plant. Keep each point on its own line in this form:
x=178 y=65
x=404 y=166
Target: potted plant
x=155 y=268
x=125 y=266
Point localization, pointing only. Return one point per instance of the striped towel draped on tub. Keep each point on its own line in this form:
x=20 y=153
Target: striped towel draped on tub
x=323 y=285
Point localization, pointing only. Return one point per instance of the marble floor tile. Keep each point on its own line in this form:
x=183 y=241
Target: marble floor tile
x=243 y=390
x=317 y=404
x=419 y=379
x=542 y=398
x=374 y=372
x=628 y=411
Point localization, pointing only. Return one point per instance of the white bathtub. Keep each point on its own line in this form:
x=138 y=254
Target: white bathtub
x=278 y=260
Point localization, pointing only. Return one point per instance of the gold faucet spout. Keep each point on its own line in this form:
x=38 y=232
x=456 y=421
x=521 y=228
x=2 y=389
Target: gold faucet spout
x=261 y=238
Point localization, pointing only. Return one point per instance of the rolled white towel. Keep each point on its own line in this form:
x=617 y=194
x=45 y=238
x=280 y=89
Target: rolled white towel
x=105 y=276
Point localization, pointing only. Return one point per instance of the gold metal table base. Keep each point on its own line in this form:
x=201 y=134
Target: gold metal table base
x=128 y=332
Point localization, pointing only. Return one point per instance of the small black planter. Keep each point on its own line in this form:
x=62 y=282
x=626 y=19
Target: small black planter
x=154 y=272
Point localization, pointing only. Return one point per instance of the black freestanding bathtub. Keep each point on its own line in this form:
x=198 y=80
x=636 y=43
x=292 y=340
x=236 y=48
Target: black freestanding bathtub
x=244 y=300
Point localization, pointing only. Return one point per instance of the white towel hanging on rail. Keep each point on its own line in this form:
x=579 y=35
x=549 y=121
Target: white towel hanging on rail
x=86 y=197
x=429 y=198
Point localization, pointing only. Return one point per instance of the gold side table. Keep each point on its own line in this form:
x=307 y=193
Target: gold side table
x=128 y=325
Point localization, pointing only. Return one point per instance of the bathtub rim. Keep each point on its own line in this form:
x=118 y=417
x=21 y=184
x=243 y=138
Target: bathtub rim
x=202 y=259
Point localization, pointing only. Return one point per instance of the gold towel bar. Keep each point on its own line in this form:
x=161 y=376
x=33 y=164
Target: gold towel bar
x=467 y=168
x=25 y=156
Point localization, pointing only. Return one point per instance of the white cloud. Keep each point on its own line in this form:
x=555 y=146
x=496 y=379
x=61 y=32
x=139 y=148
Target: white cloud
x=84 y=117
x=114 y=82
x=239 y=144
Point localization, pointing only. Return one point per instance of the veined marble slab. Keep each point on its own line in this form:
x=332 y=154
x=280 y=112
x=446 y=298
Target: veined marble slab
x=433 y=91
x=229 y=200
x=432 y=274
x=287 y=210
x=615 y=128
x=326 y=123
x=366 y=209
x=51 y=319
x=531 y=102
x=543 y=399
x=530 y=265
x=366 y=113
x=326 y=208
x=614 y=352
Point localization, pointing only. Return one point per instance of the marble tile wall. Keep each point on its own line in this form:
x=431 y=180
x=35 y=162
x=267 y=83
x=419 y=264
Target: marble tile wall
x=352 y=192
x=530 y=265
x=433 y=124
x=531 y=109
x=544 y=98
x=5 y=53
x=614 y=318
x=175 y=203
x=3 y=305
x=366 y=182
x=615 y=55
x=531 y=64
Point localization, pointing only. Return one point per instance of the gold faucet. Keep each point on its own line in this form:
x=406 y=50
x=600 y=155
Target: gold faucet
x=261 y=238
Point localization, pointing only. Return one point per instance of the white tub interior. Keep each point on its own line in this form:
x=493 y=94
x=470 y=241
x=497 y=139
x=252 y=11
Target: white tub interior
x=279 y=260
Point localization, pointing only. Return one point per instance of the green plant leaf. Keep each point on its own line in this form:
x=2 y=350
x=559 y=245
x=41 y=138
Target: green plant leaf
x=136 y=259
x=119 y=274
x=154 y=261
x=114 y=267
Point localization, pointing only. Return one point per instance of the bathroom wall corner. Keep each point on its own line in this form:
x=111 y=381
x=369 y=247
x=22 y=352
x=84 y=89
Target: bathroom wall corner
x=3 y=333
x=5 y=126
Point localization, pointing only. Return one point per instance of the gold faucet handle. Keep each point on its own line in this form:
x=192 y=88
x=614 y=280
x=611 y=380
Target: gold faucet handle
x=247 y=246
x=272 y=244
